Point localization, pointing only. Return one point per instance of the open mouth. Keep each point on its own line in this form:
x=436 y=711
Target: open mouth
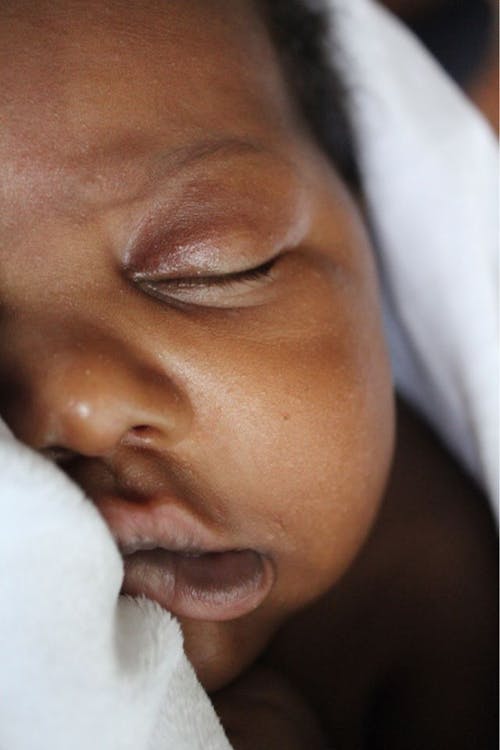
x=212 y=586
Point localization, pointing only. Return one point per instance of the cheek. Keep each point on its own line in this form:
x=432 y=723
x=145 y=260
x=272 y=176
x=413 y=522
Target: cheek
x=303 y=430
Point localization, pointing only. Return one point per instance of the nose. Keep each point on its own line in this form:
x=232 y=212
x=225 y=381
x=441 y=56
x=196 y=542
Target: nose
x=90 y=401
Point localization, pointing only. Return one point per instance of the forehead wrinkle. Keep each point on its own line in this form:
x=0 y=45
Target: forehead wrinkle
x=66 y=182
x=126 y=168
x=64 y=158
x=160 y=163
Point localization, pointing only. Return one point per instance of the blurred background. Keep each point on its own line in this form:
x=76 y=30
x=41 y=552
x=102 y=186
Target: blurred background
x=463 y=36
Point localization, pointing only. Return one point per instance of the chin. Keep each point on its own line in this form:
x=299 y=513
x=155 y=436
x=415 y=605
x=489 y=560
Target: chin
x=221 y=651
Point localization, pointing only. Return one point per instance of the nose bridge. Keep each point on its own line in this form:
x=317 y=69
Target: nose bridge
x=92 y=395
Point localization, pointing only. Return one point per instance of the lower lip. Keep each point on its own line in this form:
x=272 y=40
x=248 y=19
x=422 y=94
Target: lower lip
x=213 y=586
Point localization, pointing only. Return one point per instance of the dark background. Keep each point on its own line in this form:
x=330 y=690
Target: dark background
x=463 y=36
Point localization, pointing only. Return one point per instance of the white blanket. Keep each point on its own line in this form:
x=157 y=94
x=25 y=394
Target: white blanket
x=84 y=668
x=429 y=164
x=81 y=667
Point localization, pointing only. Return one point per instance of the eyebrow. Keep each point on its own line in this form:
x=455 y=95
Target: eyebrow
x=165 y=164
x=186 y=156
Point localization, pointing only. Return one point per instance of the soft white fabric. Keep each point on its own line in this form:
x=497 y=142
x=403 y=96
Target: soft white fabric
x=429 y=164
x=86 y=669
x=81 y=667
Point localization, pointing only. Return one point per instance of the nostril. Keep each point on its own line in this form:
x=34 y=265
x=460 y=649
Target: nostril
x=141 y=434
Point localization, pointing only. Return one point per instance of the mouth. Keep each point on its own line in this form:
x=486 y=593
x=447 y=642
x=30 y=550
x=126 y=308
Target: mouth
x=212 y=586
x=174 y=559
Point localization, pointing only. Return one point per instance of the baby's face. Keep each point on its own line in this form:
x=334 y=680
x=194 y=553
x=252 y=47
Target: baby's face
x=189 y=308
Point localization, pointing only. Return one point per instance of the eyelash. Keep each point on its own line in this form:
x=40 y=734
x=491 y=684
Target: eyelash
x=214 y=281
x=237 y=289
x=196 y=282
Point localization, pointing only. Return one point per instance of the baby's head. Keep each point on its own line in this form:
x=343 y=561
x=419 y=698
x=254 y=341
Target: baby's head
x=190 y=318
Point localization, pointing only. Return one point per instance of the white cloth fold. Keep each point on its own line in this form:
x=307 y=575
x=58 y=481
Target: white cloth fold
x=84 y=668
x=429 y=165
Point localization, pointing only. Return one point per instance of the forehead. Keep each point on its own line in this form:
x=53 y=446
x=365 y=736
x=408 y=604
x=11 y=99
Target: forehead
x=94 y=93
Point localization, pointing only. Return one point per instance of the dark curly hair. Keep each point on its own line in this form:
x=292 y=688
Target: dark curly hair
x=300 y=33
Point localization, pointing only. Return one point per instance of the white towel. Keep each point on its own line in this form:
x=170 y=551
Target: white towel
x=84 y=668
x=81 y=667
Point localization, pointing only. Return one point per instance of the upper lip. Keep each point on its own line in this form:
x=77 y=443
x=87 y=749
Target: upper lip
x=158 y=538
x=163 y=522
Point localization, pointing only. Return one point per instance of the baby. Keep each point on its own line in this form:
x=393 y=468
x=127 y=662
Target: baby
x=191 y=328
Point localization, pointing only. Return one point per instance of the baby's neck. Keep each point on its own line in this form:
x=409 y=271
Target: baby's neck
x=400 y=600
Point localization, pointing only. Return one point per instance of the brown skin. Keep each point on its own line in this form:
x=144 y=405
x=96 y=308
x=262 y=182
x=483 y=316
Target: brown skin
x=266 y=404
x=409 y=636
x=401 y=654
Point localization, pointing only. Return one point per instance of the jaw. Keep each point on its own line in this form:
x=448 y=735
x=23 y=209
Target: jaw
x=220 y=651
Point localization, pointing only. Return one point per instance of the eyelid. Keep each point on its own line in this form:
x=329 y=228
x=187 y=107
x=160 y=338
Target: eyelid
x=214 y=291
x=179 y=278
x=203 y=278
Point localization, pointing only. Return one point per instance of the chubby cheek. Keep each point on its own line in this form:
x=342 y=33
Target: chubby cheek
x=293 y=434
x=319 y=477
x=305 y=436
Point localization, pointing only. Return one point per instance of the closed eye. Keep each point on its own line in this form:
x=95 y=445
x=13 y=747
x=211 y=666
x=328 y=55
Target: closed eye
x=213 y=290
x=223 y=279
